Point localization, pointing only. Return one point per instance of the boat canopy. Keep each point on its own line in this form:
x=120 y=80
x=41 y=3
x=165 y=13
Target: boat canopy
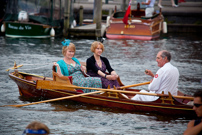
x=38 y=11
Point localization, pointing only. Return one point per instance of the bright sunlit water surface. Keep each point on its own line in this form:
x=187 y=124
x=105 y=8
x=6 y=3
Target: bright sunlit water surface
x=128 y=57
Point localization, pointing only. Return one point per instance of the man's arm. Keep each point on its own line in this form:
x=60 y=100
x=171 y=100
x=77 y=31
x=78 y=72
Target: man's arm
x=157 y=81
x=146 y=3
x=193 y=130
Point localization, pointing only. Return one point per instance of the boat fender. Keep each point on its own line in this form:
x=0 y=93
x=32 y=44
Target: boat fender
x=107 y=22
x=73 y=24
x=164 y=27
x=23 y=16
x=52 y=32
x=3 y=28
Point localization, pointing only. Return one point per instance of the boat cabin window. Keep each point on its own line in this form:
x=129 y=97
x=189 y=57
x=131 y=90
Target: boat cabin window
x=137 y=13
x=119 y=14
x=134 y=13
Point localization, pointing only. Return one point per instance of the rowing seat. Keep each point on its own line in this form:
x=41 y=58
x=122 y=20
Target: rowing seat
x=59 y=78
x=63 y=79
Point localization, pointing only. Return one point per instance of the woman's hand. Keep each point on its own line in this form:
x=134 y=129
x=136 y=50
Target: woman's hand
x=112 y=77
x=55 y=64
x=83 y=68
x=58 y=68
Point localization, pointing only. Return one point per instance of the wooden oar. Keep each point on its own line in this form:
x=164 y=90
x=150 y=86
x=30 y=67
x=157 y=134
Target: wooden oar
x=134 y=85
x=14 y=67
x=45 y=84
x=56 y=99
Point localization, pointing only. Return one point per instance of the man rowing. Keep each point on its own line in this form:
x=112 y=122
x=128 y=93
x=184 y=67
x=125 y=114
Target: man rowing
x=166 y=78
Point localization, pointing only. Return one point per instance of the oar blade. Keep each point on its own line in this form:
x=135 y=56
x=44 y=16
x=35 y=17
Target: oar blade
x=10 y=106
x=55 y=99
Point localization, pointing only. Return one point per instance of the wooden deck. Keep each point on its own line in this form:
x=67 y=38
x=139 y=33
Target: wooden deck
x=88 y=30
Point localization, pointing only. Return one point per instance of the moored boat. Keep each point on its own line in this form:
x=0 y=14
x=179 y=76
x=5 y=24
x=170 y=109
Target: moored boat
x=165 y=104
x=139 y=27
x=33 y=19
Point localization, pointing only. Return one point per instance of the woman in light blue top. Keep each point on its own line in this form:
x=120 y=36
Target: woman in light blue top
x=70 y=66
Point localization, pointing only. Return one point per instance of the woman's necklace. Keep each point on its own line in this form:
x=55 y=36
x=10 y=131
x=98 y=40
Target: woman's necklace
x=70 y=62
x=98 y=60
x=99 y=63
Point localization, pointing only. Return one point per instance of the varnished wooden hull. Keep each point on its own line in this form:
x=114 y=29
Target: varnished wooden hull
x=139 y=28
x=27 y=88
x=29 y=30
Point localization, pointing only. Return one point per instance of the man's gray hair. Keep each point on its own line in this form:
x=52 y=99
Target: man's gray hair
x=166 y=54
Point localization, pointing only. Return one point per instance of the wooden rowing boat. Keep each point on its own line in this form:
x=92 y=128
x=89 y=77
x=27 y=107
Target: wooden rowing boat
x=139 y=27
x=165 y=104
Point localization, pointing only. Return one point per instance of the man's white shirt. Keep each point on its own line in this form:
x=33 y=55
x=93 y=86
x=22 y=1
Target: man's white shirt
x=166 y=79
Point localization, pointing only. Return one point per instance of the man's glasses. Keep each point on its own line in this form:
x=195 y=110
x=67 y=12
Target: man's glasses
x=197 y=105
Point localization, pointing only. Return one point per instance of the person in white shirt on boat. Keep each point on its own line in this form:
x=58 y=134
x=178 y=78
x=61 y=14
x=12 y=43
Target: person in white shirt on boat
x=149 y=11
x=166 y=78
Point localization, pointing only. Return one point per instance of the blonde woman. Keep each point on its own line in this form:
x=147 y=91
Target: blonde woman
x=97 y=66
x=70 y=66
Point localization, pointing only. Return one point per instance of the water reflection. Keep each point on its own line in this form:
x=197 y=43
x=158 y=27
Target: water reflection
x=128 y=57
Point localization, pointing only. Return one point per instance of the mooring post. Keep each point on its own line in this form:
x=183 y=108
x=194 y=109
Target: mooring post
x=51 y=12
x=110 y=12
x=97 y=16
x=123 y=5
x=81 y=15
x=66 y=17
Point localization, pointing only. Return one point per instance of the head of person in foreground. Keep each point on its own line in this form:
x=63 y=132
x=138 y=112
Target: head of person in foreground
x=36 y=128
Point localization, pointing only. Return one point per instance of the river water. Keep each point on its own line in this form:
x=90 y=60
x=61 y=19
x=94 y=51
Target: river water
x=128 y=57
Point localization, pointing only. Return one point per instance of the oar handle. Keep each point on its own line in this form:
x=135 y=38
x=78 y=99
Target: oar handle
x=134 y=85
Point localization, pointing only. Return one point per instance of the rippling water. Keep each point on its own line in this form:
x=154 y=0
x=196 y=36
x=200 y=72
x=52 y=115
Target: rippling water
x=128 y=57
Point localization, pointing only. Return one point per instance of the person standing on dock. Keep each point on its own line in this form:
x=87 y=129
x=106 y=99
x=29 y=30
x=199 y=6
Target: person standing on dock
x=149 y=11
x=194 y=127
x=166 y=78
x=174 y=3
x=97 y=65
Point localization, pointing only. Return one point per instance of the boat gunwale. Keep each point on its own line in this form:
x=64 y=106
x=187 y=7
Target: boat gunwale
x=111 y=99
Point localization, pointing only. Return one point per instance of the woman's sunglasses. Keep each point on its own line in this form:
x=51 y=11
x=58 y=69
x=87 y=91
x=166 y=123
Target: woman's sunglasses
x=197 y=105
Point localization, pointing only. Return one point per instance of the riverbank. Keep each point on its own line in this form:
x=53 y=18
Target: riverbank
x=185 y=18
